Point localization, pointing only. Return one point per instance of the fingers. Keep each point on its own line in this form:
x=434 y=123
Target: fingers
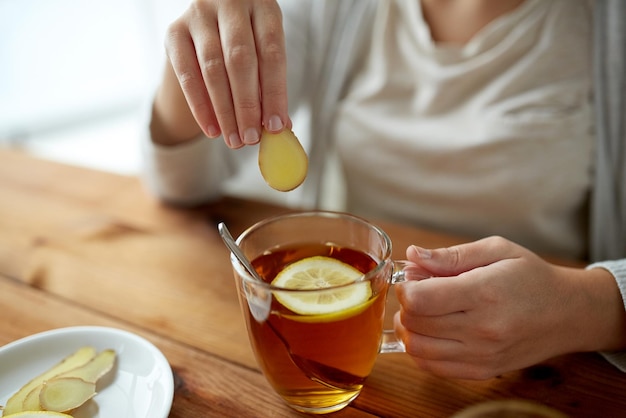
x=498 y=303
x=436 y=296
x=182 y=55
x=230 y=60
x=445 y=357
x=270 y=44
x=233 y=79
x=450 y=326
x=413 y=271
x=458 y=274
x=497 y=300
x=427 y=347
x=457 y=259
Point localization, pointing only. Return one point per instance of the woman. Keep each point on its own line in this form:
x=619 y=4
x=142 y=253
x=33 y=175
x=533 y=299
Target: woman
x=469 y=116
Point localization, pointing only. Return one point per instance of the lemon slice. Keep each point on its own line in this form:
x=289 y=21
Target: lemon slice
x=332 y=316
x=319 y=273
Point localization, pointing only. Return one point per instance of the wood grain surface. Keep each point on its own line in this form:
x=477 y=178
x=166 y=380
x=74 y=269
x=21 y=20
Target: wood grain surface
x=83 y=247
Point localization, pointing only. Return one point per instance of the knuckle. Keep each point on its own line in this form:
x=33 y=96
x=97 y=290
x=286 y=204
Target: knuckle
x=413 y=350
x=455 y=257
x=187 y=80
x=411 y=312
x=213 y=68
x=408 y=297
x=497 y=241
x=274 y=93
x=422 y=351
x=226 y=114
x=176 y=31
x=241 y=56
x=489 y=294
x=199 y=7
x=424 y=347
x=248 y=104
x=272 y=47
x=490 y=332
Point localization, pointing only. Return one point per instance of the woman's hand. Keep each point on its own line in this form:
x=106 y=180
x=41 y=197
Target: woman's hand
x=227 y=69
x=492 y=306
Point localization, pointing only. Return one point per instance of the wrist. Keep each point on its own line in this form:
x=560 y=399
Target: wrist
x=161 y=132
x=172 y=122
x=599 y=318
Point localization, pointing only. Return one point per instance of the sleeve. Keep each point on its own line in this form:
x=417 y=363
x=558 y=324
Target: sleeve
x=186 y=174
x=297 y=29
x=618 y=269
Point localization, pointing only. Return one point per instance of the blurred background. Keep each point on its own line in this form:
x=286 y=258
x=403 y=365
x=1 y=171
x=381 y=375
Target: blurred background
x=74 y=76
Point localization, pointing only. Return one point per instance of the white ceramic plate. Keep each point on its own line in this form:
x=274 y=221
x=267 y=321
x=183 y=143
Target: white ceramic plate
x=140 y=386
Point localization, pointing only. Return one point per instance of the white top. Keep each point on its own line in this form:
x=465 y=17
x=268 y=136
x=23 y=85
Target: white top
x=494 y=137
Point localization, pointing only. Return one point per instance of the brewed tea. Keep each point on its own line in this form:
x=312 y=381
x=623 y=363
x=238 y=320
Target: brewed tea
x=319 y=360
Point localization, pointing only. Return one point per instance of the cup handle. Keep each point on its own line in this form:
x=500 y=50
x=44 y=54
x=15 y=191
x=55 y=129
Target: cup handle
x=403 y=270
x=391 y=343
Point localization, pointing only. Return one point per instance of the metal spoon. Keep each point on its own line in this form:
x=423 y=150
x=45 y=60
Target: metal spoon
x=234 y=248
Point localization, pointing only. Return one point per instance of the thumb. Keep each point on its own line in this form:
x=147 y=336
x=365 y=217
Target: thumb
x=457 y=259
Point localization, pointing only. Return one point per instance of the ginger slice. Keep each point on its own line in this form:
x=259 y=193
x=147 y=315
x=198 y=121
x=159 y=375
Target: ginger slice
x=282 y=160
x=78 y=358
x=89 y=372
x=63 y=394
x=93 y=370
x=38 y=414
x=31 y=401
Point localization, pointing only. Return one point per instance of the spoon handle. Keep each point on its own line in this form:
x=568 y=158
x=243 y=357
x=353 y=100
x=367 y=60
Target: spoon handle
x=234 y=248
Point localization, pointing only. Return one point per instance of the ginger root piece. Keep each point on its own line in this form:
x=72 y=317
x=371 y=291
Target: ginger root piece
x=89 y=372
x=76 y=359
x=64 y=394
x=67 y=385
x=93 y=370
x=282 y=160
x=38 y=414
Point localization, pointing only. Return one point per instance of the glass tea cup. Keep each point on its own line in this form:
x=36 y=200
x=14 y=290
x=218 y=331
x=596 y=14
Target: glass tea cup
x=317 y=354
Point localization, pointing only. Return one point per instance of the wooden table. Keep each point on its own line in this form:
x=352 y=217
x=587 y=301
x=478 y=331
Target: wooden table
x=83 y=247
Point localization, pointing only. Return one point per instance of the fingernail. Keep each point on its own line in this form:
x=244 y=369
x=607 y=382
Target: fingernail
x=235 y=140
x=422 y=253
x=275 y=123
x=213 y=131
x=250 y=136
